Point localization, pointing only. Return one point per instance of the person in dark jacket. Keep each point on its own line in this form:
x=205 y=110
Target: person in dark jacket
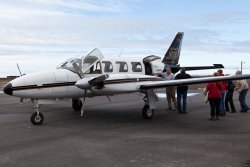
x=223 y=93
x=182 y=92
x=229 y=96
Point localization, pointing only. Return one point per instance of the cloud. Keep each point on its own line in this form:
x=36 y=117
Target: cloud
x=62 y=28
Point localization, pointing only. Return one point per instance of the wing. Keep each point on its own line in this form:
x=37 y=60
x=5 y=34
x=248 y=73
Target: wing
x=162 y=84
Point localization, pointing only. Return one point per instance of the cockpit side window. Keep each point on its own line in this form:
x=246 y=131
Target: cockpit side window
x=87 y=64
x=136 y=67
x=68 y=64
x=122 y=66
x=108 y=67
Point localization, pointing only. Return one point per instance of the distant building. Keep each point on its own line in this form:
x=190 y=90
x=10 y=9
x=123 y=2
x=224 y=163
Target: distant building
x=12 y=77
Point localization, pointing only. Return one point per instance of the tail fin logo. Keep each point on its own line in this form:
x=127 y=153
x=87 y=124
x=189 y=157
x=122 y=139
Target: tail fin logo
x=172 y=55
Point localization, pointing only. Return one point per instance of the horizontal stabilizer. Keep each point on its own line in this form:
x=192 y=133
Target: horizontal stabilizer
x=175 y=69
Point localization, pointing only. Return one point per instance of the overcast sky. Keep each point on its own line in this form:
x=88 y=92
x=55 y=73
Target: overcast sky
x=40 y=34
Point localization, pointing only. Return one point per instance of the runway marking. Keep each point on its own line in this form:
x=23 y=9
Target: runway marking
x=1 y=91
x=163 y=95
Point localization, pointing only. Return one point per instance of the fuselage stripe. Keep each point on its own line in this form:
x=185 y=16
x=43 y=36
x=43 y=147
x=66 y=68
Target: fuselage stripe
x=44 y=86
x=106 y=82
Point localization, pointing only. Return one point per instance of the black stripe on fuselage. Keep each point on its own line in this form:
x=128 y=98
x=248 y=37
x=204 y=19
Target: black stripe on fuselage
x=107 y=82
x=50 y=85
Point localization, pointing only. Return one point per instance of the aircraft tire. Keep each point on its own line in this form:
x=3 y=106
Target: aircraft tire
x=147 y=113
x=37 y=119
x=76 y=104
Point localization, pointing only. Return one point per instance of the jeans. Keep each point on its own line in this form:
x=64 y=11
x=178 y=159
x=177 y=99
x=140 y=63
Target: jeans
x=183 y=95
x=242 y=99
x=222 y=102
x=229 y=99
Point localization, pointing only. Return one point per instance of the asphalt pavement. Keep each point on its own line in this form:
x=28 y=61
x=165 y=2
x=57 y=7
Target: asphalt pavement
x=115 y=134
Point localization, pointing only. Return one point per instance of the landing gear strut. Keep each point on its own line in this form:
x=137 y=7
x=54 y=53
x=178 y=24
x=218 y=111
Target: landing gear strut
x=148 y=109
x=36 y=118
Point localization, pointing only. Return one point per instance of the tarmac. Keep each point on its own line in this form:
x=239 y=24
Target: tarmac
x=115 y=134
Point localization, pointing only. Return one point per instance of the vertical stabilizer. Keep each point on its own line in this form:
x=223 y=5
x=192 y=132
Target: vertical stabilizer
x=171 y=57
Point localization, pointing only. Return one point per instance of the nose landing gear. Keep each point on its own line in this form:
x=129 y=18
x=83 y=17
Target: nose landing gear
x=37 y=117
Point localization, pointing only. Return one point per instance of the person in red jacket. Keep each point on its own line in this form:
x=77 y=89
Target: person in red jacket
x=214 y=95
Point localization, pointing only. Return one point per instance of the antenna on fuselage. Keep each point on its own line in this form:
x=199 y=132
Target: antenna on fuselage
x=19 y=69
x=120 y=53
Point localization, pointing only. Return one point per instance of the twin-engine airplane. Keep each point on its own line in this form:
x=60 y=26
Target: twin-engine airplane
x=94 y=75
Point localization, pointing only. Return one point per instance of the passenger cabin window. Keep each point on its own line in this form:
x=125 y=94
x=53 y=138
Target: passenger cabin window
x=108 y=67
x=122 y=66
x=136 y=67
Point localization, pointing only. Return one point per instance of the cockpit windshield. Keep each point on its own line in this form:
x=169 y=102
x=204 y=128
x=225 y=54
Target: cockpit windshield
x=68 y=64
x=86 y=63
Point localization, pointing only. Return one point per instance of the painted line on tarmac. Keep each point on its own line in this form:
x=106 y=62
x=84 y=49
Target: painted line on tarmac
x=1 y=91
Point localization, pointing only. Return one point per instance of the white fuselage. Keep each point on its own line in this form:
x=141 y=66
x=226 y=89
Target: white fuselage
x=125 y=76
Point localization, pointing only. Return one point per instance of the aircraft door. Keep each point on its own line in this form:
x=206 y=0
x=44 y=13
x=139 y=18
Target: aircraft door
x=148 y=64
x=91 y=62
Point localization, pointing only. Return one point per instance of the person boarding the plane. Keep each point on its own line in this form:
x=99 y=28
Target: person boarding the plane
x=170 y=91
x=182 y=92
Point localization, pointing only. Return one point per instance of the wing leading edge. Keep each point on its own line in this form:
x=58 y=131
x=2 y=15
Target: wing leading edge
x=162 y=84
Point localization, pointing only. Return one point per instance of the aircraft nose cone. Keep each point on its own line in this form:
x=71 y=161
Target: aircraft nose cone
x=7 y=89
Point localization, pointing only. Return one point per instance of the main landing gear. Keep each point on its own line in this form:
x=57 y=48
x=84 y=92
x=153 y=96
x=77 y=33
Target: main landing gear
x=36 y=118
x=148 y=109
x=147 y=113
x=79 y=105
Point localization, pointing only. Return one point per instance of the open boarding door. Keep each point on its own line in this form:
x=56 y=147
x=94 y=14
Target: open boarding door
x=148 y=64
x=91 y=62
